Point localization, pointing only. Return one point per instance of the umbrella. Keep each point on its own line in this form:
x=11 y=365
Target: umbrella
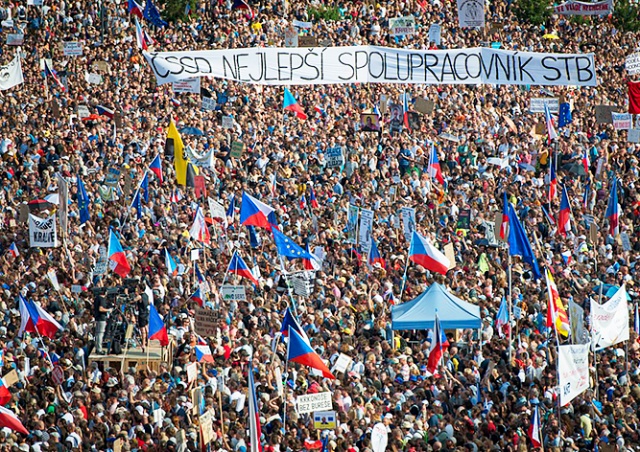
x=481 y=242
x=550 y=36
x=192 y=131
x=53 y=198
x=605 y=288
x=612 y=291
x=576 y=168
x=39 y=204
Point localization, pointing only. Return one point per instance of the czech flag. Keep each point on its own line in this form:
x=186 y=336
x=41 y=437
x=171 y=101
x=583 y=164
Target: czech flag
x=238 y=266
x=140 y=37
x=312 y=198
x=5 y=394
x=34 y=319
x=312 y=263
x=534 y=429
x=502 y=319
x=202 y=282
x=289 y=321
x=255 y=213
x=585 y=161
x=564 y=217
x=434 y=169
x=405 y=111
x=48 y=72
x=423 y=253
x=157 y=329
x=13 y=249
x=255 y=430
x=548 y=119
x=303 y=202
x=203 y=354
x=374 y=255
x=197 y=297
x=104 y=111
x=505 y=217
x=117 y=259
x=199 y=230
x=231 y=211
x=556 y=314
x=156 y=167
x=320 y=110
x=135 y=9
x=439 y=344
x=241 y=4
x=613 y=209
x=553 y=183
x=170 y=263
x=291 y=104
x=9 y=420
x=299 y=351
x=176 y=196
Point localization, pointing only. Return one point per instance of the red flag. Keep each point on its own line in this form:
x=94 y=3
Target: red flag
x=634 y=97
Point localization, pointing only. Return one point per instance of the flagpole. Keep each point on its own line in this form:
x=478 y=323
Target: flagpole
x=286 y=376
x=224 y=280
x=286 y=281
x=509 y=306
x=406 y=267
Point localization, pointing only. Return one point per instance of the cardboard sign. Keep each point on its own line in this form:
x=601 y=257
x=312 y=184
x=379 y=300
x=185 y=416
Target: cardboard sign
x=206 y=322
x=83 y=111
x=206 y=428
x=11 y=378
x=324 y=420
x=236 y=149
x=424 y=106
x=128 y=184
x=230 y=292
x=343 y=363
x=93 y=79
x=309 y=403
x=603 y=113
x=102 y=66
x=15 y=39
x=451 y=255
x=117 y=445
x=57 y=375
x=208 y=103
x=307 y=41
x=227 y=122
x=593 y=233
x=633 y=136
x=72 y=48
x=192 y=372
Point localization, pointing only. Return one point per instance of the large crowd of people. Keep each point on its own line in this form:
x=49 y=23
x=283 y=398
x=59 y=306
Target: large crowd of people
x=484 y=395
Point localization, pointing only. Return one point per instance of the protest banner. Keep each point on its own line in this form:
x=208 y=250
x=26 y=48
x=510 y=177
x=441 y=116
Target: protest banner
x=471 y=13
x=15 y=39
x=83 y=111
x=300 y=24
x=603 y=113
x=93 y=79
x=187 y=85
x=633 y=136
x=579 y=334
x=435 y=33
x=573 y=371
x=408 y=215
x=230 y=292
x=632 y=64
x=371 y=64
x=424 y=106
x=236 y=149
x=366 y=228
x=53 y=278
x=334 y=157
x=206 y=322
x=309 y=403
x=324 y=420
x=621 y=121
x=536 y=104
x=302 y=282
x=402 y=26
x=217 y=210
x=63 y=204
x=72 y=48
x=352 y=223
x=201 y=160
x=574 y=8
x=227 y=122
x=343 y=363
x=307 y=41
x=42 y=232
x=11 y=74
x=208 y=103
x=610 y=321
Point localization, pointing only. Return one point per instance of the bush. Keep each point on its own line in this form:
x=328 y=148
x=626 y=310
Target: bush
x=174 y=9
x=325 y=12
x=535 y=12
x=626 y=16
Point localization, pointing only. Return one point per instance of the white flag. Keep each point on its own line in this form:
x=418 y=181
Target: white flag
x=610 y=321
x=573 y=371
x=11 y=74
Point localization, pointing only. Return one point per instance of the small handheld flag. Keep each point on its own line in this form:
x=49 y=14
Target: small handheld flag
x=534 y=429
x=104 y=111
x=157 y=328
x=170 y=263
x=291 y=104
x=49 y=72
x=505 y=217
x=374 y=255
x=156 y=167
x=197 y=297
x=9 y=420
x=312 y=198
x=564 y=217
x=434 y=169
x=240 y=268
x=299 y=351
x=423 y=253
x=553 y=183
x=439 y=344
x=13 y=250
x=502 y=319
x=551 y=131
x=243 y=5
x=613 y=209
x=117 y=259
x=199 y=231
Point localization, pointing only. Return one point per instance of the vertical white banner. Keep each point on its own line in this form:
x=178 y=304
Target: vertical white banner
x=573 y=371
x=366 y=228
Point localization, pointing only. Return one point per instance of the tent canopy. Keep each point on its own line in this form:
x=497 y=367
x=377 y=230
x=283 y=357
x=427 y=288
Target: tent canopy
x=420 y=313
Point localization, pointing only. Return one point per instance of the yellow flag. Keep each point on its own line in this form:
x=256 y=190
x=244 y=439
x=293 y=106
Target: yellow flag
x=174 y=141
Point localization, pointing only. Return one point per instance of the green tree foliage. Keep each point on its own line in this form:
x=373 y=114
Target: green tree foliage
x=325 y=12
x=626 y=15
x=535 y=12
x=174 y=9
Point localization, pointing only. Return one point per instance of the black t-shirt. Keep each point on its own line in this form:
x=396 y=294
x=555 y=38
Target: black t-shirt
x=99 y=302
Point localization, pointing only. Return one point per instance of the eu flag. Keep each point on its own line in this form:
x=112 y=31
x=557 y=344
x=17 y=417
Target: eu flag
x=83 y=202
x=287 y=247
x=152 y=15
x=519 y=244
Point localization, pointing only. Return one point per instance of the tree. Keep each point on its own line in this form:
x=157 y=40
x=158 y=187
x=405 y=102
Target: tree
x=626 y=16
x=174 y=9
x=535 y=12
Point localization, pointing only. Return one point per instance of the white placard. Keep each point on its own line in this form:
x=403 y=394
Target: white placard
x=408 y=215
x=309 y=403
x=291 y=38
x=379 y=437
x=435 y=34
x=15 y=39
x=34 y=2
x=227 y=122
x=72 y=48
x=53 y=278
x=42 y=232
x=83 y=111
x=103 y=261
x=343 y=363
x=230 y=293
x=94 y=79
x=632 y=64
x=352 y=223
x=300 y=24
x=402 y=26
x=11 y=74
x=633 y=136
x=621 y=121
x=573 y=371
x=371 y=64
x=471 y=13
x=536 y=104
x=610 y=321
x=334 y=157
x=195 y=255
x=187 y=85
x=208 y=103
x=366 y=228
x=573 y=8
